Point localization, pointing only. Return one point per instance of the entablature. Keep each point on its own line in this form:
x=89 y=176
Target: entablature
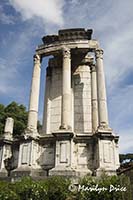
x=56 y=47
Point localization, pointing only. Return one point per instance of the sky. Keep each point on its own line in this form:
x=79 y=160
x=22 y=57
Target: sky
x=24 y=23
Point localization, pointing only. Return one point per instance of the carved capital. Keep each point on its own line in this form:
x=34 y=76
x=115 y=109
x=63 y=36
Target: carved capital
x=99 y=53
x=66 y=53
x=37 y=59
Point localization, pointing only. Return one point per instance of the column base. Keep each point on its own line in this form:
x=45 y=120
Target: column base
x=102 y=171
x=103 y=127
x=28 y=171
x=65 y=127
x=106 y=153
x=69 y=172
x=30 y=132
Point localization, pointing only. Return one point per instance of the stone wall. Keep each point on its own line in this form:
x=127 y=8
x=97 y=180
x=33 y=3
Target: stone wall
x=82 y=99
x=55 y=95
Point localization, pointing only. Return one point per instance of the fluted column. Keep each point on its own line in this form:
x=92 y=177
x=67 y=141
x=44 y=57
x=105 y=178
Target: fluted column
x=34 y=95
x=66 y=90
x=94 y=98
x=101 y=90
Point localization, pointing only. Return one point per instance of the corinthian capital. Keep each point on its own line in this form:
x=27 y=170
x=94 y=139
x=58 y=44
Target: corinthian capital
x=99 y=53
x=66 y=53
x=37 y=59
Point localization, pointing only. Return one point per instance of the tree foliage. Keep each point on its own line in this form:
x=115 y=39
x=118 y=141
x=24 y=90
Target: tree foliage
x=18 y=113
x=107 y=188
x=2 y=118
x=126 y=157
x=58 y=188
x=54 y=188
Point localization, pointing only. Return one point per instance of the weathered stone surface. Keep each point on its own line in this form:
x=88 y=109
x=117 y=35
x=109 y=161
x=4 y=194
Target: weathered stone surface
x=68 y=34
x=34 y=95
x=5 y=147
x=76 y=139
x=9 y=125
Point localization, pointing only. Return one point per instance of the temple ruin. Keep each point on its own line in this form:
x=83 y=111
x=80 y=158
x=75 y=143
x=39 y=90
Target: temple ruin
x=76 y=138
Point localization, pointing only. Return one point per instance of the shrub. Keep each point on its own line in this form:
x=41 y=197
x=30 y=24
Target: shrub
x=27 y=189
x=7 y=191
x=90 y=188
x=58 y=188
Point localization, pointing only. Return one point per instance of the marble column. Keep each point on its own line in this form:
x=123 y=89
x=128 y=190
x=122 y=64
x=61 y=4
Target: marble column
x=34 y=95
x=101 y=90
x=66 y=90
x=94 y=98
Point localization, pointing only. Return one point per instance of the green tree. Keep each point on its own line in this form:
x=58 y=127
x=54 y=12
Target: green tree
x=105 y=183
x=58 y=188
x=2 y=118
x=18 y=113
x=126 y=157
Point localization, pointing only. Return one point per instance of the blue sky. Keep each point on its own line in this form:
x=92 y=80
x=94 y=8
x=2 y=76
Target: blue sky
x=22 y=25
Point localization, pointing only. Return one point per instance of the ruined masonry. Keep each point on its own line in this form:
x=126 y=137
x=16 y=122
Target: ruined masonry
x=76 y=138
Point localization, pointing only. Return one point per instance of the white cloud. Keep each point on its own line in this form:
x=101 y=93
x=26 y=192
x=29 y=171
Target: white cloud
x=118 y=55
x=7 y=73
x=14 y=62
x=5 y=18
x=49 y=10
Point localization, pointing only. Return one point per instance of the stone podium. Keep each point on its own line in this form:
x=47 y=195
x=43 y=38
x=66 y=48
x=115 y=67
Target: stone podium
x=76 y=138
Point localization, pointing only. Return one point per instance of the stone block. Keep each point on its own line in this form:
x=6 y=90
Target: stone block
x=78 y=102
x=88 y=126
x=86 y=95
x=47 y=156
x=55 y=118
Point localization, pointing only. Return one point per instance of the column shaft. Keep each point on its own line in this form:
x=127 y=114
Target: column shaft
x=94 y=98
x=101 y=90
x=34 y=95
x=47 y=104
x=66 y=90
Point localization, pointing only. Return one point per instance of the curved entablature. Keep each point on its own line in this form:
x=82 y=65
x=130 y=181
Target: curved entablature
x=68 y=38
x=68 y=34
